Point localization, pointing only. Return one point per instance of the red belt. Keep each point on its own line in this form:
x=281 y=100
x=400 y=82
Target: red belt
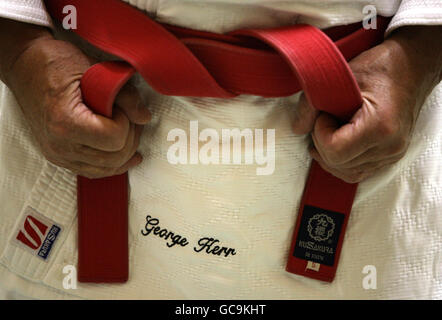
x=181 y=62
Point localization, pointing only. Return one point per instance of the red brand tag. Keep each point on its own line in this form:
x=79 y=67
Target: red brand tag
x=37 y=234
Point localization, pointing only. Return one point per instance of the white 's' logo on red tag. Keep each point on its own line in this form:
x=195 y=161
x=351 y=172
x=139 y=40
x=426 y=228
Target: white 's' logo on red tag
x=37 y=234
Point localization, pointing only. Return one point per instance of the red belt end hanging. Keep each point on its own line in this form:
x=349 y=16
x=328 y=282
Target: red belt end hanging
x=103 y=254
x=320 y=226
x=317 y=243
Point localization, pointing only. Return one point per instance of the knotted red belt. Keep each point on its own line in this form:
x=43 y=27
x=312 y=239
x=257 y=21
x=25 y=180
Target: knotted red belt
x=180 y=62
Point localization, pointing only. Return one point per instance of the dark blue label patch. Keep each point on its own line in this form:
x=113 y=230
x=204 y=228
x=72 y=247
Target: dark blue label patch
x=318 y=235
x=46 y=247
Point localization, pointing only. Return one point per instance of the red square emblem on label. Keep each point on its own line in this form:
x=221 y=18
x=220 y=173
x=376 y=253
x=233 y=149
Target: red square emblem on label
x=36 y=233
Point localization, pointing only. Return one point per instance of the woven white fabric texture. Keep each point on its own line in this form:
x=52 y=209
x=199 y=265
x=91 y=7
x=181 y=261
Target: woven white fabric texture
x=417 y=12
x=30 y=11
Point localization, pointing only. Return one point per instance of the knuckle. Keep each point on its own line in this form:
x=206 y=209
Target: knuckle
x=53 y=161
x=400 y=156
x=58 y=128
x=399 y=146
x=301 y=127
x=92 y=173
x=388 y=128
x=334 y=156
x=110 y=161
x=87 y=174
x=118 y=141
x=135 y=144
x=395 y=159
x=118 y=137
x=334 y=152
x=55 y=129
x=46 y=152
x=60 y=163
x=354 y=178
x=99 y=161
x=57 y=150
x=118 y=161
x=51 y=154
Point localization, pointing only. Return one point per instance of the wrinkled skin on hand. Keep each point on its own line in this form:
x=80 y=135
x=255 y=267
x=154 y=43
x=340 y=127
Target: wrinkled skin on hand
x=45 y=79
x=395 y=78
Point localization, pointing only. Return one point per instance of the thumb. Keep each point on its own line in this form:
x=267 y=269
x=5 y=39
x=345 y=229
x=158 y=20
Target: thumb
x=129 y=100
x=305 y=117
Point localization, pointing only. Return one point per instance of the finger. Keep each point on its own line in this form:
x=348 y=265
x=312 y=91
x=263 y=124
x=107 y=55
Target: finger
x=349 y=177
x=95 y=172
x=100 y=158
x=356 y=174
x=374 y=154
x=339 y=144
x=136 y=159
x=98 y=132
x=305 y=116
x=129 y=100
x=367 y=165
x=117 y=159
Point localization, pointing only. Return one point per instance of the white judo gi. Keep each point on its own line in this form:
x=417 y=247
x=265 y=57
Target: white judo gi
x=395 y=225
